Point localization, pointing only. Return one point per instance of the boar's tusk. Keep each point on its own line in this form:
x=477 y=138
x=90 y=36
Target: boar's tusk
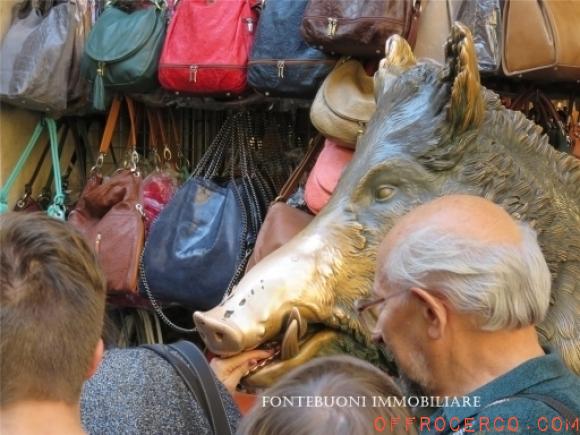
x=302 y=325
x=290 y=345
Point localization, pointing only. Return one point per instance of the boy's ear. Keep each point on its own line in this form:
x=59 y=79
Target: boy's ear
x=96 y=360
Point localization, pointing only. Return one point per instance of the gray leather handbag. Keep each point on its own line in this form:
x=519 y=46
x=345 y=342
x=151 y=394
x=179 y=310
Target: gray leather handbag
x=37 y=55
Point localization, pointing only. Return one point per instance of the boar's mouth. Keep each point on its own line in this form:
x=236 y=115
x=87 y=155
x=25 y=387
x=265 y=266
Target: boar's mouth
x=296 y=344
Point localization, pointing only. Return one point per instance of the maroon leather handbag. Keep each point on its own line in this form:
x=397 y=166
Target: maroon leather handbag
x=358 y=28
x=109 y=213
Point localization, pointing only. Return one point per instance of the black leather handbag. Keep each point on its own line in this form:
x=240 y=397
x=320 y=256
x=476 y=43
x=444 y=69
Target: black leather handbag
x=281 y=63
x=199 y=244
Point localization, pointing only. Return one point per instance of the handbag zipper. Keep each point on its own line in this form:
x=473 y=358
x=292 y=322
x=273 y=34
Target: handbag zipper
x=193 y=69
x=332 y=22
x=281 y=63
x=250 y=23
x=101 y=68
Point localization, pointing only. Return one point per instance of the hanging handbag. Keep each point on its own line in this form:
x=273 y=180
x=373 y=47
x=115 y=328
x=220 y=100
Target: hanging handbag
x=325 y=174
x=219 y=64
x=357 y=28
x=160 y=185
x=281 y=63
x=344 y=103
x=536 y=106
x=542 y=39
x=56 y=208
x=37 y=55
x=200 y=242
x=27 y=202
x=283 y=221
x=109 y=212
x=484 y=19
x=123 y=50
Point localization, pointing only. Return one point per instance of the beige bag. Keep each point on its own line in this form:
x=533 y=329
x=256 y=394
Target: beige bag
x=542 y=39
x=344 y=103
x=433 y=30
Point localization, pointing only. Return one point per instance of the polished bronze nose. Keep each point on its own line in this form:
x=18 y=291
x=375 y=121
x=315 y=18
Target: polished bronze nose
x=220 y=337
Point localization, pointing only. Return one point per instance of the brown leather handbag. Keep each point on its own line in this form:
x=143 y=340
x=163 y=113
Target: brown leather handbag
x=542 y=39
x=344 y=103
x=109 y=212
x=283 y=222
x=357 y=28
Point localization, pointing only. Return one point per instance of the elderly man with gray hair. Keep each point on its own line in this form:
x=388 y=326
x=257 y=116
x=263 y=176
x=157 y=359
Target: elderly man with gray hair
x=459 y=289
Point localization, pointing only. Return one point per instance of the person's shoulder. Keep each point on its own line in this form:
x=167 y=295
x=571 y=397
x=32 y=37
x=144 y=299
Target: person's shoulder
x=137 y=391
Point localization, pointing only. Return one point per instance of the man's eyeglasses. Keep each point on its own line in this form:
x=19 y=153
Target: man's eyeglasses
x=369 y=309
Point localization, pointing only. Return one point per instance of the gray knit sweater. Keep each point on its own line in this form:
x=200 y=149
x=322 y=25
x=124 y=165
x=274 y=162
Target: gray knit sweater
x=135 y=391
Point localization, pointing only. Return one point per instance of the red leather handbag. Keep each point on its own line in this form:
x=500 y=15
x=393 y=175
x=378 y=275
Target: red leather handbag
x=325 y=174
x=207 y=46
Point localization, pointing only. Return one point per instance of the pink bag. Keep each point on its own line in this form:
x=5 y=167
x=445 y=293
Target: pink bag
x=158 y=188
x=161 y=184
x=325 y=175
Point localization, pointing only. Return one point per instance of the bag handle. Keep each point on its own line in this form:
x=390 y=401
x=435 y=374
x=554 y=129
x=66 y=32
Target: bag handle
x=414 y=24
x=292 y=184
x=182 y=163
x=28 y=186
x=19 y=166
x=153 y=142
x=61 y=141
x=194 y=370
x=167 y=154
x=56 y=209
x=111 y=124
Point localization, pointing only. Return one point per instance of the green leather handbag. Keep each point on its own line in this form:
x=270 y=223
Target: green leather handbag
x=122 y=51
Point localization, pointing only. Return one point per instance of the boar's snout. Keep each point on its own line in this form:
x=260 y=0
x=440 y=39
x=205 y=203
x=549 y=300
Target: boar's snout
x=222 y=338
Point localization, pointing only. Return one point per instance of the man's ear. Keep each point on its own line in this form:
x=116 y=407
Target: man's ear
x=434 y=312
x=96 y=360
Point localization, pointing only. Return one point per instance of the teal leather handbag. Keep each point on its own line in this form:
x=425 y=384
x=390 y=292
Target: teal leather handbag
x=122 y=51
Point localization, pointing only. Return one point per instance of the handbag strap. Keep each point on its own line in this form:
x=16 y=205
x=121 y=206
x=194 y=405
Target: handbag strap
x=167 y=154
x=61 y=141
x=111 y=124
x=181 y=161
x=18 y=167
x=193 y=368
x=414 y=24
x=153 y=141
x=292 y=184
x=56 y=209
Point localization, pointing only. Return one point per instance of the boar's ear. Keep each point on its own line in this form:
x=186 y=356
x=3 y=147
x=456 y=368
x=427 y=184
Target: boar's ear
x=467 y=107
x=398 y=58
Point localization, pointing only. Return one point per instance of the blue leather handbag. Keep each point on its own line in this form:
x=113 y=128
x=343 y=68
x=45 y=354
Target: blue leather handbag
x=199 y=244
x=281 y=63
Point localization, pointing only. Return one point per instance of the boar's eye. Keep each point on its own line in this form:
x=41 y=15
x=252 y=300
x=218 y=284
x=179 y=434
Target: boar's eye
x=384 y=192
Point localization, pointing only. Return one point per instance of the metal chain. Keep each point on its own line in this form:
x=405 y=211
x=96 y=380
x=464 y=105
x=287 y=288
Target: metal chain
x=154 y=302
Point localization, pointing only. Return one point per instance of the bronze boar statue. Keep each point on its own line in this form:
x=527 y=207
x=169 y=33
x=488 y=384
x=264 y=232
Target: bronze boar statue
x=436 y=131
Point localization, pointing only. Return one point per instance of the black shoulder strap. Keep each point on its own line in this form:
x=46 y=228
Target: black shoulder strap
x=555 y=404
x=193 y=368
